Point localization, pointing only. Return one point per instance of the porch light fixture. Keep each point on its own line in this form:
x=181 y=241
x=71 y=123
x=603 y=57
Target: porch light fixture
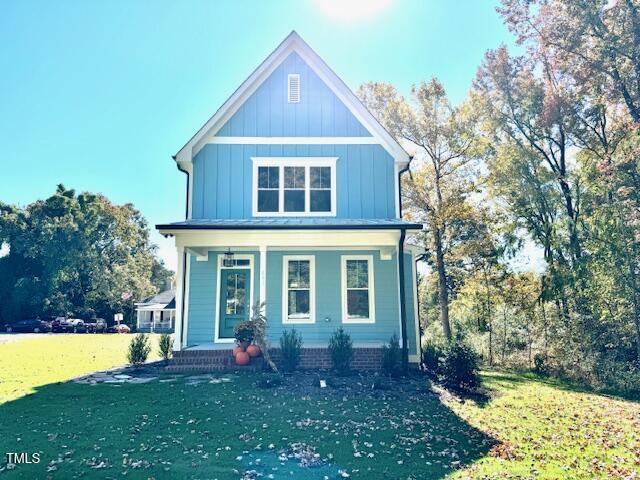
x=228 y=260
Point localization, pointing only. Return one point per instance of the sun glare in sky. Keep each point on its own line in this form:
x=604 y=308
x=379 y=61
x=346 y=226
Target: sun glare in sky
x=352 y=10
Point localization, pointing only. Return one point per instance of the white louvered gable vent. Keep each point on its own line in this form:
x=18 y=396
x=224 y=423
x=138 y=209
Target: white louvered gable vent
x=294 y=87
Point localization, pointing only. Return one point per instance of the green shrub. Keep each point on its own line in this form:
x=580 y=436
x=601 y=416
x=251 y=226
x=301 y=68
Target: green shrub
x=619 y=378
x=392 y=357
x=540 y=364
x=290 y=348
x=165 y=345
x=431 y=355
x=341 y=351
x=458 y=367
x=139 y=349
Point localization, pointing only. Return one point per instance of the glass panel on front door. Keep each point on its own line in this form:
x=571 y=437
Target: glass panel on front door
x=234 y=306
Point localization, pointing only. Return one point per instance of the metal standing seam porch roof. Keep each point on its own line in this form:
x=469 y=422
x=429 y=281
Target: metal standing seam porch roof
x=292 y=223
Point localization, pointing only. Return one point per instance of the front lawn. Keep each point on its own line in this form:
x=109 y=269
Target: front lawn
x=205 y=428
x=31 y=361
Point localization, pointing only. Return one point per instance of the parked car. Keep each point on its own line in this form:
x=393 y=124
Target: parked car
x=97 y=325
x=31 y=325
x=122 y=328
x=64 y=325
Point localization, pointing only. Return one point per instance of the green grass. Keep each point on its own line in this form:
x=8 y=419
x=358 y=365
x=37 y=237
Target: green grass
x=528 y=429
x=44 y=359
x=551 y=430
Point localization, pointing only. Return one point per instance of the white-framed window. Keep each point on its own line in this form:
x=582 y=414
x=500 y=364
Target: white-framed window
x=293 y=88
x=294 y=186
x=299 y=295
x=358 y=294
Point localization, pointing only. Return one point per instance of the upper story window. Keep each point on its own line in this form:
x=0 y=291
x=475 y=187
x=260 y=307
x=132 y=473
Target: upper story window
x=294 y=186
x=293 y=87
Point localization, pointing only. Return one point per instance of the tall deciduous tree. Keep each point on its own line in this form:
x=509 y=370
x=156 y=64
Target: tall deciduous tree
x=436 y=191
x=595 y=42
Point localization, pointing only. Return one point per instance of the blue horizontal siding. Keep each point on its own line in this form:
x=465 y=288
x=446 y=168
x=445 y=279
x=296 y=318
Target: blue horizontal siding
x=222 y=183
x=202 y=298
x=329 y=299
x=267 y=112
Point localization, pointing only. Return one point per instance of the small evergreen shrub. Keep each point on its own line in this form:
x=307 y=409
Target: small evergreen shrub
x=392 y=357
x=341 y=351
x=459 y=366
x=165 y=346
x=290 y=349
x=139 y=349
x=431 y=355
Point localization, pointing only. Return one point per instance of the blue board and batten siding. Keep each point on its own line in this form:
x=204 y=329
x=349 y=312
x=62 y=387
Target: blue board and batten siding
x=203 y=285
x=267 y=112
x=222 y=179
x=266 y=124
x=365 y=173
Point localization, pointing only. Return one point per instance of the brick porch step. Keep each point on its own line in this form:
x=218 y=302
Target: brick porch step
x=210 y=361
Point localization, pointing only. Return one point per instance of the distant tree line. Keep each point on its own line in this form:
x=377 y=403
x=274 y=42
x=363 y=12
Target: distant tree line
x=75 y=255
x=545 y=149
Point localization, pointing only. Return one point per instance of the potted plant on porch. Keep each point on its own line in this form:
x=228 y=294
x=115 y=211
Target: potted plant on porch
x=245 y=333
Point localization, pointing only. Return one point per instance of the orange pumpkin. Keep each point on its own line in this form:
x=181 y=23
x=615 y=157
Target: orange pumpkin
x=242 y=358
x=253 y=350
x=236 y=350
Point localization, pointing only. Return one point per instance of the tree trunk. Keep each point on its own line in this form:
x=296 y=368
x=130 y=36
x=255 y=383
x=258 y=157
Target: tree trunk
x=636 y=304
x=504 y=339
x=489 y=316
x=443 y=294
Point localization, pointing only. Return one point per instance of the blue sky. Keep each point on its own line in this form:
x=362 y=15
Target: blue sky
x=98 y=95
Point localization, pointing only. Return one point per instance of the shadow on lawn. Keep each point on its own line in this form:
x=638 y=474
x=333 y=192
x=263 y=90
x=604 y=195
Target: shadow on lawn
x=172 y=429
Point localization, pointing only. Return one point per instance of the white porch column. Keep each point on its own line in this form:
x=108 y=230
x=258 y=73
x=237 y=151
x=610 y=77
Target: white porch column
x=138 y=318
x=263 y=274
x=177 y=344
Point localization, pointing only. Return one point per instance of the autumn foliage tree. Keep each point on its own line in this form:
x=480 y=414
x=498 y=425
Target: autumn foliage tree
x=436 y=191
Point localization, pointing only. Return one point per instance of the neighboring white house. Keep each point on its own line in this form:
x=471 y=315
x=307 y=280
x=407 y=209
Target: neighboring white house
x=157 y=313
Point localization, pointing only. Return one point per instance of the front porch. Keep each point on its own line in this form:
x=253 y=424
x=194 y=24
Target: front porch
x=155 y=319
x=223 y=274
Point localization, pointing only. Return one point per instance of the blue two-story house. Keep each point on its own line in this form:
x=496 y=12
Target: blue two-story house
x=293 y=199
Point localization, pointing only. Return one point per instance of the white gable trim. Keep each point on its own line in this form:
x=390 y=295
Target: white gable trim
x=293 y=43
x=294 y=140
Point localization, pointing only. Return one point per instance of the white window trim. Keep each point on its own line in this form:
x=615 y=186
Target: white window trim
x=285 y=290
x=220 y=267
x=372 y=303
x=289 y=77
x=282 y=162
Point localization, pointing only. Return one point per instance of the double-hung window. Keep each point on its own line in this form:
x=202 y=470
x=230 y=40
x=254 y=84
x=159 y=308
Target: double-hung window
x=299 y=289
x=358 y=303
x=294 y=186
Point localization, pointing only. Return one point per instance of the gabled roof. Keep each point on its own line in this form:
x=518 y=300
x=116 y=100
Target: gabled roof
x=165 y=297
x=293 y=43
